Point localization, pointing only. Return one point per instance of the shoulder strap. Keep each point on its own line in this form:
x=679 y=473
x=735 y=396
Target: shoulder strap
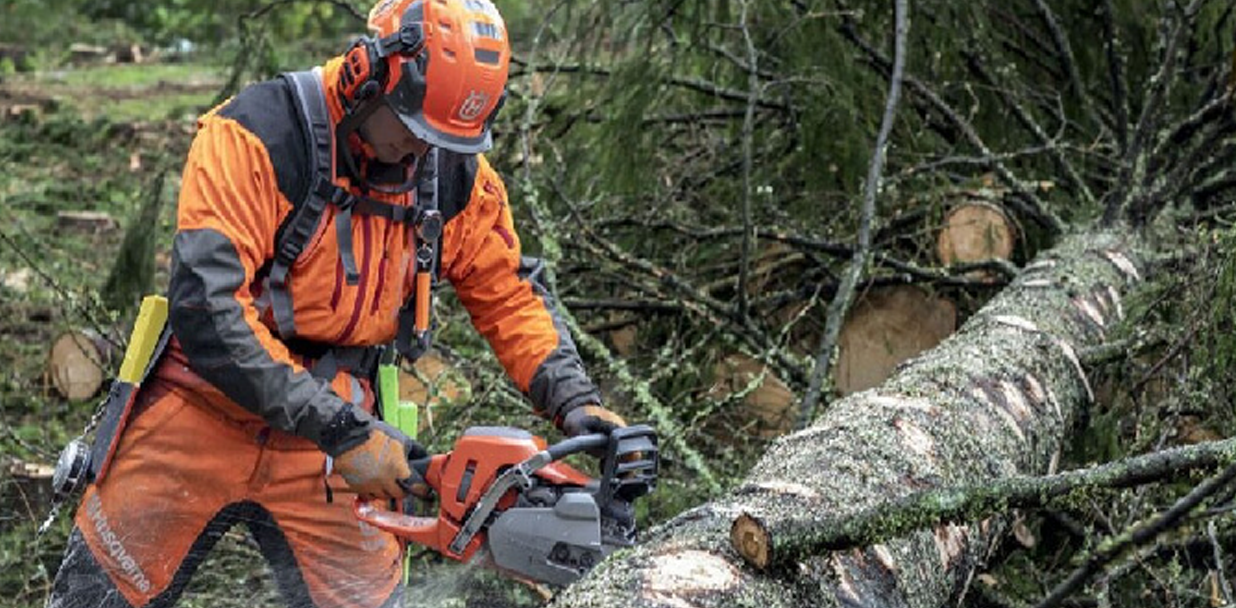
x=298 y=228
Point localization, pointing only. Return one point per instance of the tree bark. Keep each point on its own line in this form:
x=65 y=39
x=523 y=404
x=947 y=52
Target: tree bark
x=994 y=401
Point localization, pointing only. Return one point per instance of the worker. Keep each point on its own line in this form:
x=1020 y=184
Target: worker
x=313 y=209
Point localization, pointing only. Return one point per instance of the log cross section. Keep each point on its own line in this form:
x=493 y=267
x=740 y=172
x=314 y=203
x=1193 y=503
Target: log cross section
x=993 y=401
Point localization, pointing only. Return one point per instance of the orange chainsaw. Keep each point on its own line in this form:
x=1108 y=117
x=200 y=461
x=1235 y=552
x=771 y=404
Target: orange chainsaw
x=505 y=491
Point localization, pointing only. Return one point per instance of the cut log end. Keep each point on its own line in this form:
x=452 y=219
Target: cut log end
x=886 y=327
x=975 y=231
x=752 y=540
x=77 y=363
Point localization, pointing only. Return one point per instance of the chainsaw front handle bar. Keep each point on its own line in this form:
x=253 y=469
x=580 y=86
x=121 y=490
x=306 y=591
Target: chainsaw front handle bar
x=574 y=445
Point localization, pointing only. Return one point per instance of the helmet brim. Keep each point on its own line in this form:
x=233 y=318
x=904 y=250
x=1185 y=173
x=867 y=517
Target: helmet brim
x=415 y=123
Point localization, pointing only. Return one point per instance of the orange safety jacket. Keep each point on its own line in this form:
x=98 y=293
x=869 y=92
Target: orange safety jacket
x=245 y=172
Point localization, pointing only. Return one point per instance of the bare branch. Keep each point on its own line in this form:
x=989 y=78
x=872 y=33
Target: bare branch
x=1025 y=202
x=1065 y=53
x=1137 y=536
x=1152 y=108
x=975 y=63
x=862 y=251
x=748 y=136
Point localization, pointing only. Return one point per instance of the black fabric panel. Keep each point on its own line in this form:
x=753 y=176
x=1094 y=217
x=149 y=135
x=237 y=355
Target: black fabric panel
x=456 y=176
x=560 y=383
x=222 y=348
x=218 y=526
x=278 y=553
x=81 y=581
x=268 y=110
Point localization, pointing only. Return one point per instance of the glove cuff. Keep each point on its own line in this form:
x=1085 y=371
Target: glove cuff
x=347 y=429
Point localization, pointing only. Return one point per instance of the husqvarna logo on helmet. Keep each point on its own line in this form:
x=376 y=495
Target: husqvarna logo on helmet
x=472 y=107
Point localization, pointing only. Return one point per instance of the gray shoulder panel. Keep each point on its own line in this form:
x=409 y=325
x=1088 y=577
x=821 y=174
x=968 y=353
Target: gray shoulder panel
x=560 y=383
x=222 y=348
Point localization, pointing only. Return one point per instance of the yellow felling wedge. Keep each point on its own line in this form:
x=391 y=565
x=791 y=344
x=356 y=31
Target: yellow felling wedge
x=146 y=330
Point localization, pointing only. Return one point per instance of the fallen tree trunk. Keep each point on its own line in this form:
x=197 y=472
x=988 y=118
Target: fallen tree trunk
x=994 y=401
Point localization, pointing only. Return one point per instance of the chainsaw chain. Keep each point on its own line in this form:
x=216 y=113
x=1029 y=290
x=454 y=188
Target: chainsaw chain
x=57 y=502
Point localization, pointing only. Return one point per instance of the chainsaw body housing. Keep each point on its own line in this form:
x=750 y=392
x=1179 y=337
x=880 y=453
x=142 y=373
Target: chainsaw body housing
x=504 y=489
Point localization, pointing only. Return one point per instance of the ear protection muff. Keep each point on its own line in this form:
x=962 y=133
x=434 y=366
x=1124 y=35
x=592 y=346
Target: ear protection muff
x=363 y=75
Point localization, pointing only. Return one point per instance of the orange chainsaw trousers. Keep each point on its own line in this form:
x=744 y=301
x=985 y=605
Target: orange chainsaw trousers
x=184 y=472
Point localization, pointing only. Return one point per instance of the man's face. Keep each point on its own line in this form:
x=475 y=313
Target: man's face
x=390 y=140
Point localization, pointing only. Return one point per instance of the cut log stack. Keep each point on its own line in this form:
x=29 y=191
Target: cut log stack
x=994 y=400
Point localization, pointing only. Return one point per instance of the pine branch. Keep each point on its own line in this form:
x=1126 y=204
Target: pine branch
x=1137 y=536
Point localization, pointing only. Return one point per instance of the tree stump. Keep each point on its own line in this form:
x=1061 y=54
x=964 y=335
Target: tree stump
x=25 y=492
x=78 y=364
x=886 y=327
x=91 y=222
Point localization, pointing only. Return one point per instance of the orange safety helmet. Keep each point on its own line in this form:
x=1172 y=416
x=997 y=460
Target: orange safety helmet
x=441 y=65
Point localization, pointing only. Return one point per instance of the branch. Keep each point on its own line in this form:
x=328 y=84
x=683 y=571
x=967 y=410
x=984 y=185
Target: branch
x=1115 y=73
x=838 y=308
x=1137 y=536
x=975 y=63
x=1067 y=60
x=1147 y=122
x=693 y=84
x=1025 y=202
x=767 y=544
x=748 y=135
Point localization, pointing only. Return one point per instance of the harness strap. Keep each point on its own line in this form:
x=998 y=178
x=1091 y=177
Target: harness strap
x=415 y=328
x=414 y=335
x=347 y=255
x=295 y=234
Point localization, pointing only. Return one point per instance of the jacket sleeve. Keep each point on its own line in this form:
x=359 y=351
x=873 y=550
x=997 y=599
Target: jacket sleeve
x=509 y=303
x=230 y=207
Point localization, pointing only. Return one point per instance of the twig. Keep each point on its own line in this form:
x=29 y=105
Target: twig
x=862 y=252
x=614 y=304
x=748 y=136
x=1137 y=536
x=692 y=84
x=1224 y=586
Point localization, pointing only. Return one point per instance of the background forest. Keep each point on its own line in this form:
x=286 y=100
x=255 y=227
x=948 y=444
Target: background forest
x=699 y=175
